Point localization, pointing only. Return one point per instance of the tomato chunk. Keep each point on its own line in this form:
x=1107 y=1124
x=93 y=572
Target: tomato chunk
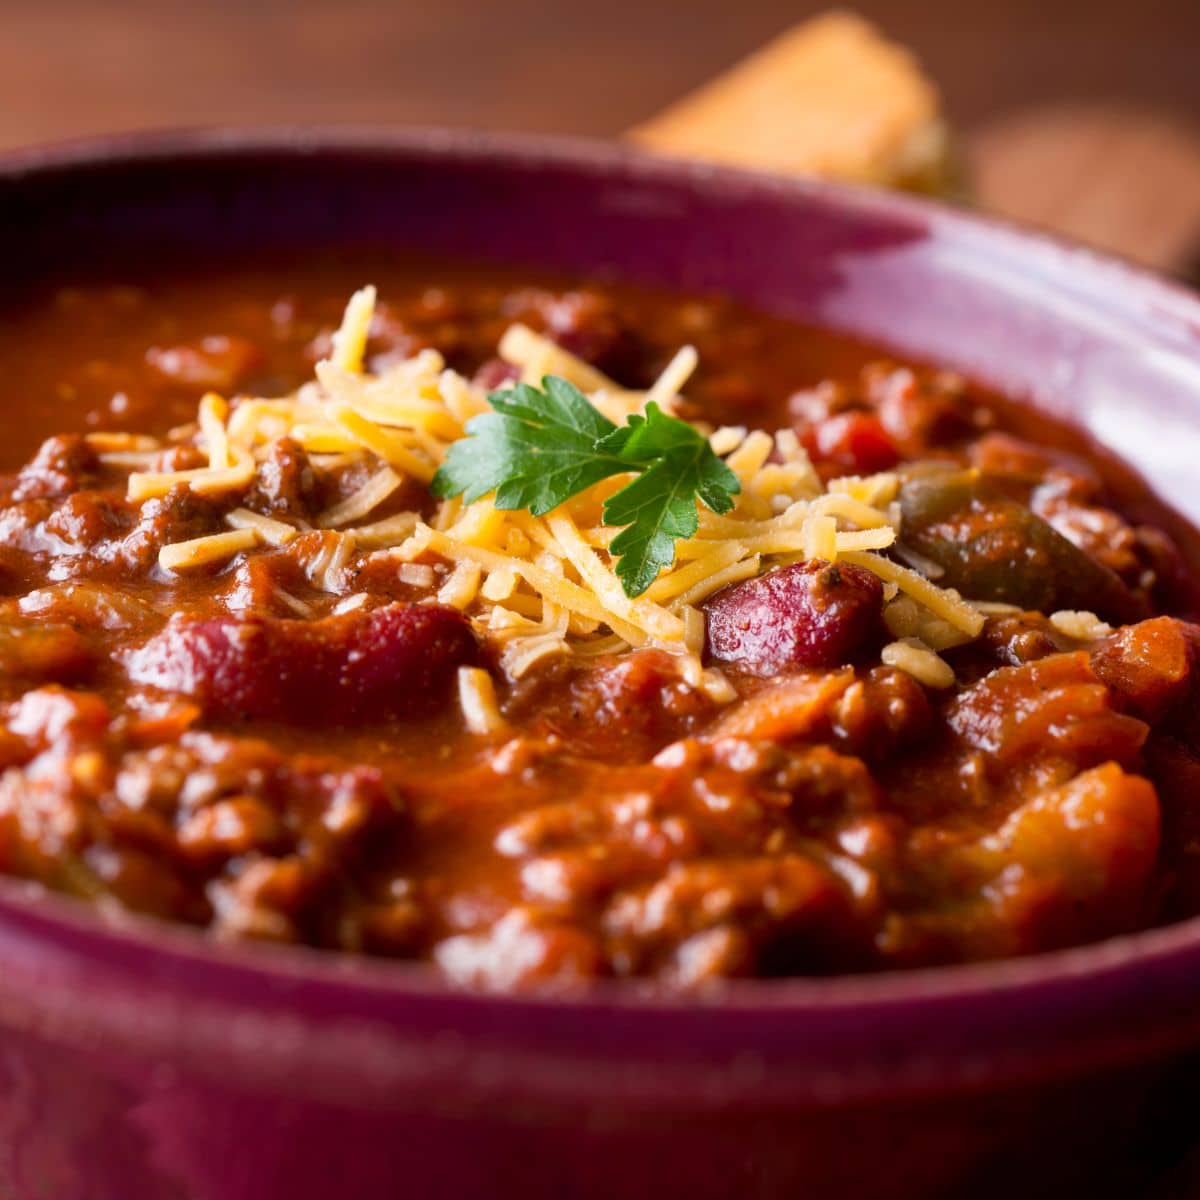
x=853 y=442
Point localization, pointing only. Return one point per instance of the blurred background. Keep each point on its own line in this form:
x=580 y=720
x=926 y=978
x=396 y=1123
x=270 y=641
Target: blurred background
x=1048 y=95
x=81 y=66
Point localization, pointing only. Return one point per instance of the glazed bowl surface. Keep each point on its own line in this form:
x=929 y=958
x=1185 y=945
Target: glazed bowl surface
x=138 y=1061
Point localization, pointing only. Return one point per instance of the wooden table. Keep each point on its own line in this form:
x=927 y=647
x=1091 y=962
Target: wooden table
x=70 y=67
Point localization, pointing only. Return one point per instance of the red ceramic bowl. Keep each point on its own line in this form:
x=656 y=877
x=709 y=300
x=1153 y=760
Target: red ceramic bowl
x=139 y=1062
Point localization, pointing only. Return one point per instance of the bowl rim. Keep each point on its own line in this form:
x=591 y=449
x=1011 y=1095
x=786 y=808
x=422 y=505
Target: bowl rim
x=1155 y=953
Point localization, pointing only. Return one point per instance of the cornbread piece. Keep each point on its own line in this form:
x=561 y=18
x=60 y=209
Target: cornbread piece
x=830 y=97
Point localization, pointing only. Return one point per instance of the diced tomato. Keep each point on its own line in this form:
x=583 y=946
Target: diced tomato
x=854 y=442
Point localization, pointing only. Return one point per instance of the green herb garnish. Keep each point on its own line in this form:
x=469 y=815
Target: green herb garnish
x=539 y=448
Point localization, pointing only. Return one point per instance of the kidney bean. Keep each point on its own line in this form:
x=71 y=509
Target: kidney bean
x=812 y=614
x=394 y=660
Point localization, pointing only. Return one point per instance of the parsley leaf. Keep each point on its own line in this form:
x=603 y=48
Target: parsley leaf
x=539 y=448
x=678 y=466
x=534 y=451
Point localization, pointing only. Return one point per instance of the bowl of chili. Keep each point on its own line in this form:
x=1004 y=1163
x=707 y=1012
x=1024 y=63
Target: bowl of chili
x=797 y=1039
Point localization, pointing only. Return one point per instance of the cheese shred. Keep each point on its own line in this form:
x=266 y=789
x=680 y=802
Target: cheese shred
x=916 y=659
x=350 y=341
x=276 y=533
x=363 y=501
x=199 y=552
x=477 y=698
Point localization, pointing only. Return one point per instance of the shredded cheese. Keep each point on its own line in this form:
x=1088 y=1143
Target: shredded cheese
x=130 y=460
x=325 y=558
x=877 y=491
x=943 y=602
x=912 y=656
x=538 y=587
x=350 y=341
x=1080 y=626
x=538 y=356
x=995 y=608
x=818 y=538
x=693 y=631
x=213 y=413
x=115 y=443
x=750 y=456
x=477 y=698
x=461 y=586
x=146 y=485
x=363 y=501
x=275 y=533
x=673 y=378
x=747 y=568
x=419 y=575
x=727 y=439
x=387 y=532
x=198 y=552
